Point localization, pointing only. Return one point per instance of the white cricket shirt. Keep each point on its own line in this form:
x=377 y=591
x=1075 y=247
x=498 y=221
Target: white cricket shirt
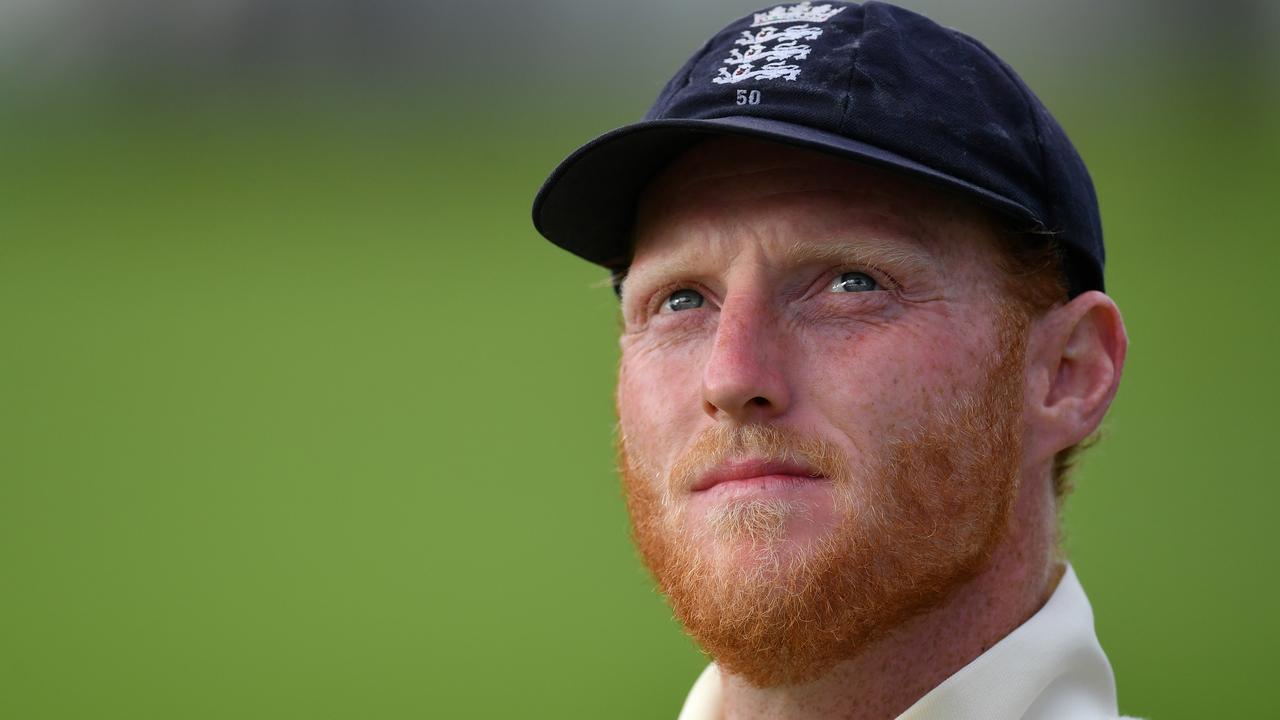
x=1050 y=668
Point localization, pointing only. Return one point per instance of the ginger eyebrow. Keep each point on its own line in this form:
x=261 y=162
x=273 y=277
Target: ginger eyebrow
x=678 y=267
x=893 y=257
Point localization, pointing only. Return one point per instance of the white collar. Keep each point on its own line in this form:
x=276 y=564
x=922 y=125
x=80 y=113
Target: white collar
x=1049 y=667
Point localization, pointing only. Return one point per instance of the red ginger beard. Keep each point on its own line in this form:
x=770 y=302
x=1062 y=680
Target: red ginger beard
x=923 y=518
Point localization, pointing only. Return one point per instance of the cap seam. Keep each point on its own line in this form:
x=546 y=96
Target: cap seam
x=853 y=71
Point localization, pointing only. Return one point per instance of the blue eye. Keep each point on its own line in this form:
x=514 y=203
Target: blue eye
x=684 y=300
x=854 y=282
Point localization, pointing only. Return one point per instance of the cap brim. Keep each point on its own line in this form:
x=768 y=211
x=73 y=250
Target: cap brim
x=587 y=205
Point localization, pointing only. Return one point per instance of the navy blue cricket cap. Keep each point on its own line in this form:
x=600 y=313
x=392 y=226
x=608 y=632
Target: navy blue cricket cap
x=873 y=83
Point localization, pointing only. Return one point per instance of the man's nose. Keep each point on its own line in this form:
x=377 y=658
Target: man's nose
x=744 y=378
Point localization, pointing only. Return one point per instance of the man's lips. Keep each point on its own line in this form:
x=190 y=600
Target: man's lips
x=748 y=469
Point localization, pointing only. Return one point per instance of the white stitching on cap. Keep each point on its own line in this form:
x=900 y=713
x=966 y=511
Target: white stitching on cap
x=786 y=46
x=804 y=12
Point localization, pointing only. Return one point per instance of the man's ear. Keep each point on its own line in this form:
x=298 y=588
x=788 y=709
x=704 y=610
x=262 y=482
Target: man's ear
x=1074 y=360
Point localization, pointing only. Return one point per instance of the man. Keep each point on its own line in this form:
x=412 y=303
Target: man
x=860 y=271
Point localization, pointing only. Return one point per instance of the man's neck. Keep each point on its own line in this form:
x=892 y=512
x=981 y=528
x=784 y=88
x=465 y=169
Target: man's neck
x=893 y=672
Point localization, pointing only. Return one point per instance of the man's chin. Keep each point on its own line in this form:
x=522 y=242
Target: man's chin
x=759 y=537
x=780 y=589
x=743 y=597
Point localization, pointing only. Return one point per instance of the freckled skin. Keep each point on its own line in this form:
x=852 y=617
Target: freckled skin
x=771 y=344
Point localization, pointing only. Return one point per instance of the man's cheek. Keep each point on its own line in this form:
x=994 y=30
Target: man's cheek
x=666 y=386
x=642 y=417
x=860 y=397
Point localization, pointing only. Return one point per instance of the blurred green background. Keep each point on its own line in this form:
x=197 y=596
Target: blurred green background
x=301 y=418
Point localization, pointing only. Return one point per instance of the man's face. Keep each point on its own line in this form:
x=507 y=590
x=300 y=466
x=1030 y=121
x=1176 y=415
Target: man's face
x=819 y=399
